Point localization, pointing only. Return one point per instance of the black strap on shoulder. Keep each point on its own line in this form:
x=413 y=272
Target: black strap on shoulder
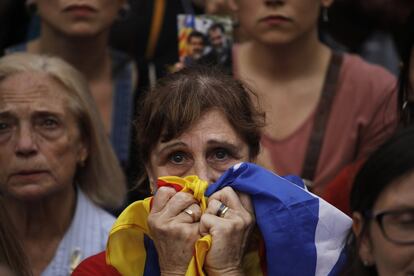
x=321 y=117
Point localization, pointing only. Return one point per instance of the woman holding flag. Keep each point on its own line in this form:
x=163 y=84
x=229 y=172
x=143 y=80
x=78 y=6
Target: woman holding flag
x=195 y=129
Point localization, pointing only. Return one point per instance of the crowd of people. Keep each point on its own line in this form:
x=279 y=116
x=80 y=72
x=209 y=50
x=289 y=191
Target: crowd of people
x=284 y=142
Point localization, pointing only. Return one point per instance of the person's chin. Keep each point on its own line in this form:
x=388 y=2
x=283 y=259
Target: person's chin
x=83 y=31
x=32 y=191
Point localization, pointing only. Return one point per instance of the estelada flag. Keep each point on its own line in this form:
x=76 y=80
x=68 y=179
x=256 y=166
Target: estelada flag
x=302 y=234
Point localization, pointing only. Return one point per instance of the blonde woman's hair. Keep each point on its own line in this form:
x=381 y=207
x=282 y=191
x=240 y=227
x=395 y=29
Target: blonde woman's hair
x=12 y=256
x=101 y=177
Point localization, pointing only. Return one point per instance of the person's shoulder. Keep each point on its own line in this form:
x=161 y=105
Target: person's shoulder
x=366 y=79
x=356 y=67
x=100 y=216
x=18 y=48
x=95 y=265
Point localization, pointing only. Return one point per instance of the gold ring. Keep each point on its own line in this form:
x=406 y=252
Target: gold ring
x=222 y=210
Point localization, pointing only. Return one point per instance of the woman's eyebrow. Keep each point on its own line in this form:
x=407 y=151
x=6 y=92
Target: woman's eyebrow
x=45 y=113
x=231 y=146
x=398 y=207
x=5 y=114
x=170 y=145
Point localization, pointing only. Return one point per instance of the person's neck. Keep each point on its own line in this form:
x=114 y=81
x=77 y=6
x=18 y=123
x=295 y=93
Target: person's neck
x=90 y=55
x=44 y=219
x=287 y=62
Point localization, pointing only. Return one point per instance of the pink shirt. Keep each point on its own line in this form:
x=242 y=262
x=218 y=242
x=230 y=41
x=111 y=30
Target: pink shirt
x=363 y=115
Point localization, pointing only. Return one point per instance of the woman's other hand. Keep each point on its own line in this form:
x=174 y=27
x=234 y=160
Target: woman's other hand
x=174 y=226
x=230 y=232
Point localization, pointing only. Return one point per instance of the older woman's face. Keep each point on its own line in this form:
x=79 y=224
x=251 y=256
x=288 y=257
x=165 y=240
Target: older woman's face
x=388 y=257
x=279 y=21
x=79 y=17
x=207 y=149
x=40 y=143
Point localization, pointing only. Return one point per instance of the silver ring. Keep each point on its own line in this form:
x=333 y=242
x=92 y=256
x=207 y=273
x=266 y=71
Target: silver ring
x=189 y=212
x=222 y=210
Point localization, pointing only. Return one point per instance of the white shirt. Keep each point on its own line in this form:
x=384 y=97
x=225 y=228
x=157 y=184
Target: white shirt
x=86 y=236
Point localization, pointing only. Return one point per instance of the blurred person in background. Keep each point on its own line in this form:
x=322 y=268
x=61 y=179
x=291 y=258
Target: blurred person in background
x=78 y=32
x=337 y=192
x=325 y=110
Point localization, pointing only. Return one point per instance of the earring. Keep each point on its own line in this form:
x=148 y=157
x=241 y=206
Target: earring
x=124 y=11
x=235 y=21
x=325 y=17
x=31 y=7
x=81 y=163
x=366 y=263
x=151 y=186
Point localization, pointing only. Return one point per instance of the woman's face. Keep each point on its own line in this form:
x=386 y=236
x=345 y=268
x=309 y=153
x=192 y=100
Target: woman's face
x=279 y=21
x=40 y=143
x=391 y=258
x=79 y=17
x=206 y=149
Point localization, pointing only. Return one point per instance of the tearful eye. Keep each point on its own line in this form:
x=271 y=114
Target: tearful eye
x=177 y=158
x=49 y=123
x=3 y=126
x=221 y=154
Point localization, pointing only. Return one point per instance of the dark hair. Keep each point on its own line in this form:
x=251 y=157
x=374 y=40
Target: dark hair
x=180 y=99
x=216 y=26
x=406 y=45
x=196 y=34
x=11 y=251
x=393 y=160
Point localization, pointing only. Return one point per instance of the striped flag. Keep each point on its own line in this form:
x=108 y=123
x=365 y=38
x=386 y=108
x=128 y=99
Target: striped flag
x=185 y=29
x=302 y=234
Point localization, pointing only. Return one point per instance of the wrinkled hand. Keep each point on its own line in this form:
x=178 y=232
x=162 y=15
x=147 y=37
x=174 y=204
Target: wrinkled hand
x=230 y=233
x=174 y=231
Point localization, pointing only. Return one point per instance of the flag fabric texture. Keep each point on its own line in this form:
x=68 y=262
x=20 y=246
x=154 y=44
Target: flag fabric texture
x=184 y=31
x=303 y=235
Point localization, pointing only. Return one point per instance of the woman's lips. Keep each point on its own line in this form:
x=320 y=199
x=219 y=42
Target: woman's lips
x=29 y=174
x=80 y=10
x=275 y=20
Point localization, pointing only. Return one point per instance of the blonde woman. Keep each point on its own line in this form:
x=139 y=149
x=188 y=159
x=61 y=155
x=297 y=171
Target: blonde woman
x=77 y=31
x=58 y=168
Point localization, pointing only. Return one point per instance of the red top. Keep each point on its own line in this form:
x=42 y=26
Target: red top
x=337 y=192
x=95 y=265
x=363 y=116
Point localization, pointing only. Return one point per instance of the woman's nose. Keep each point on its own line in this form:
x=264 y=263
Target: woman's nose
x=25 y=144
x=204 y=171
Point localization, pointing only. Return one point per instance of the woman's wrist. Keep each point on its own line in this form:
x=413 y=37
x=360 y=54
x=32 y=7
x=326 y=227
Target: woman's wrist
x=227 y=272
x=172 y=273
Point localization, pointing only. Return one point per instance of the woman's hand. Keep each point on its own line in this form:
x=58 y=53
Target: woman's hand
x=174 y=227
x=230 y=233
